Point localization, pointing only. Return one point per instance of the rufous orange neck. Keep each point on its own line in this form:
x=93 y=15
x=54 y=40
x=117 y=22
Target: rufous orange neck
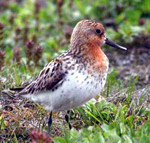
x=100 y=60
x=92 y=53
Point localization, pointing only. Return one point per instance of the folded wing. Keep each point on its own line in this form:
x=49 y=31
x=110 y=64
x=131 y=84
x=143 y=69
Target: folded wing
x=50 y=78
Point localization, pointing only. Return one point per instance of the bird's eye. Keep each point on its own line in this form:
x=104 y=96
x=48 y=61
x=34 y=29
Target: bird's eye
x=98 y=31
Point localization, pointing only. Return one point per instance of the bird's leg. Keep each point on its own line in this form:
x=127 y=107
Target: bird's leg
x=67 y=119
x=49 y=122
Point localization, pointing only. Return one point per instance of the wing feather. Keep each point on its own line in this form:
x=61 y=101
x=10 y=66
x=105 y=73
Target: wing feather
x=49 y=78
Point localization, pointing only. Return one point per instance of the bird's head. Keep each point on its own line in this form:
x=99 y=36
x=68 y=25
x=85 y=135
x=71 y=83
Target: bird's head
x=87 y=31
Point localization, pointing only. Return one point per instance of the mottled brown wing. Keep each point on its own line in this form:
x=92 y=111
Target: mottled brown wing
x=50 y=78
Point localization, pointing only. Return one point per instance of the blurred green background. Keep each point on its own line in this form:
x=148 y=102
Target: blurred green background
x=50 y=23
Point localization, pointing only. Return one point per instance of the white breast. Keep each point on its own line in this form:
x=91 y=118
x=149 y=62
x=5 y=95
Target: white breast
x=78 y=88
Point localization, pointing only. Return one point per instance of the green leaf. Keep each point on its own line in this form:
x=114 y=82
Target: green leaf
x=105 y=127
x=59 y=140
x=133 y=15
x=122 y=128
x=146 y=5
x=145 y=139
x=127 y=139
x=93 y=116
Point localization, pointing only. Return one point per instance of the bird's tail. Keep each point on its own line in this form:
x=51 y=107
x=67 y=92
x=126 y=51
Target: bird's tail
x=17 y=89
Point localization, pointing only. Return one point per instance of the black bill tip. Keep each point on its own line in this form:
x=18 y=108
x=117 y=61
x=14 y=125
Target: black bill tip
x=111 y=43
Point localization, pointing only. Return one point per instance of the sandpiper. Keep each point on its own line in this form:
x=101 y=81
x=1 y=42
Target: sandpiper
x=77 y=75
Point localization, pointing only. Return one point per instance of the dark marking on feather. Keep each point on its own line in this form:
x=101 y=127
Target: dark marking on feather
x=56 y=80
x=42 y=72
x=47 y=71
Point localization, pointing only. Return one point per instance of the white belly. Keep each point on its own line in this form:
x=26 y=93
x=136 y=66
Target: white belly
x=75 y=91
